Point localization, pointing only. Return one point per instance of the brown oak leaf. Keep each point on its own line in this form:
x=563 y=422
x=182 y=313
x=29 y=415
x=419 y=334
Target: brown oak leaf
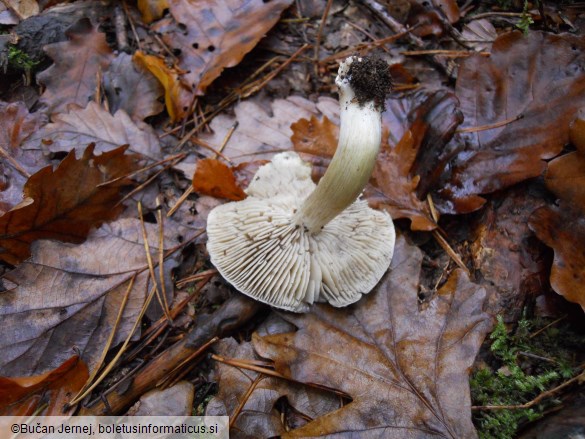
x=67 y=297
x=405 y=367
x=65 y=203
x=212 y=35
x=539 y=77
x=92 y=124
x=217 y=179
x=22 y=396
x=73 y=77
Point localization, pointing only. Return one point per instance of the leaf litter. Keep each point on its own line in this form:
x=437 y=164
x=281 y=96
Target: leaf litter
x=410 y=343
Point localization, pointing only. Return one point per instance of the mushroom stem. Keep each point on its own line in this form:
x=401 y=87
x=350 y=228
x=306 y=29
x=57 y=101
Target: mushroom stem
x=351 y=167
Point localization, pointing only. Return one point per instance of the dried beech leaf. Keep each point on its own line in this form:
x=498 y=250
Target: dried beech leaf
x=16 y=123
x=21 y=396
x=214 y=34
x=217 y=179
x=258 y=416
x=405 y=368
x=73 y=77
x=65 y=203
x=132 y=88
x=178 y=97
x=152 y=10
x=24 y=8
x=93 y=124
x=563 y=229
x=67 y=297
x=539 y=76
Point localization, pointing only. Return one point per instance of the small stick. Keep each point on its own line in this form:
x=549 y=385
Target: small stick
x=244 y=400
x=180 y=201
x=450 y=53
x=120 y=27
x=490 y=126
x=547 y=326
x=13 y=162
x=227 y=138
x=535 y=401
x=132 y=25
x=161 y=258
x=177 y=157
x=319 y=32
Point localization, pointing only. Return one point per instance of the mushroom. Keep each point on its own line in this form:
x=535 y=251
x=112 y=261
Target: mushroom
x=290 y=244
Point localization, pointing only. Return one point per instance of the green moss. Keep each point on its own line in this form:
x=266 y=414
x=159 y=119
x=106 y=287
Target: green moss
x=521 y=367
x=20 y=60
x=525 y=20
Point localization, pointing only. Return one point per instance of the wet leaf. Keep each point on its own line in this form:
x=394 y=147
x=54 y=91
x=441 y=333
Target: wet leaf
x=540 y=77
x=212 y=35
x=132 y=88
x=21 y=396
x=174 y=401
x=405 y=367
x=259 y=416
x=217 y=179
x=93 y=124
x=73 y=77
x=16 y=123
x=178 y=97
x=65 y=203
x=66 y=297
x=565 y=175
x=563 y=229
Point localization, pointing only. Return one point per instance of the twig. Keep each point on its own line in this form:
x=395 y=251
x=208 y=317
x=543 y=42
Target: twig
x=450 y=53
x=13 y=162
x=132 y=25
x=181 y=200
x=535 y=401
x=319 y=33
x=227 y=138
x=490 y=126
x=244 y=400
x=382 y=12
x=534 y=334
x=120 y=27
x=173 y=158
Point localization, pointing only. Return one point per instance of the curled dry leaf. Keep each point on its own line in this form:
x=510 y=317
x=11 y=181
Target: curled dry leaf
x=65 y=203
x=212 y=35
x=16 y=123
x=178 y=97
x=22 y=396
x=132 y=88
x=73 y=77
x=67 y=297
x=92 y=124
x=563 y=229
x=406 y=368
x=539 y=77
x=217 y=179
x=258 y=416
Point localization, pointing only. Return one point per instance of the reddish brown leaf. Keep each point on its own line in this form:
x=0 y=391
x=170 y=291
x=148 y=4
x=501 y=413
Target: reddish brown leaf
x=73 y=77
x=212 y=35
x=563 y=229
x=178 y=97
x=316 y=140
x=405 y=368
x=565 y=175
x=538 y=76
x=93 y=124
x=132 y=88
x=152 y=10
x=21 y=396
x=67 y=297
x=217 y=179
x=65 y=203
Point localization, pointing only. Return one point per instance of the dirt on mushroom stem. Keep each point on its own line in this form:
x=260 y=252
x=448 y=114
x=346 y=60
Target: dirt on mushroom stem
x=371 y=80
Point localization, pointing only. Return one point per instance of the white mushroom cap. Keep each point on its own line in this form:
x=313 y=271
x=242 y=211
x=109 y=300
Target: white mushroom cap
x=258 y=247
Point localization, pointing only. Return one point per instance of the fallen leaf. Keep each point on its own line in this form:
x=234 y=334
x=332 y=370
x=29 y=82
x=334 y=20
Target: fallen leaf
x=174 y=401
x=539 y=77
x=24 y=8
x=217 y=179
x=506 y=255
x=132 y=88
x=67 y=297
x=479 y=34
x=72 y=79
x=152 y=10
x=316 y=140
x=16 y=123
x=21 y=396
x=65 y=203
x=178 y=97
x=212 y=35
x=259 y=416
x=565 y=175
x=92 y=124
x=405 y=368
x=563 y=229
